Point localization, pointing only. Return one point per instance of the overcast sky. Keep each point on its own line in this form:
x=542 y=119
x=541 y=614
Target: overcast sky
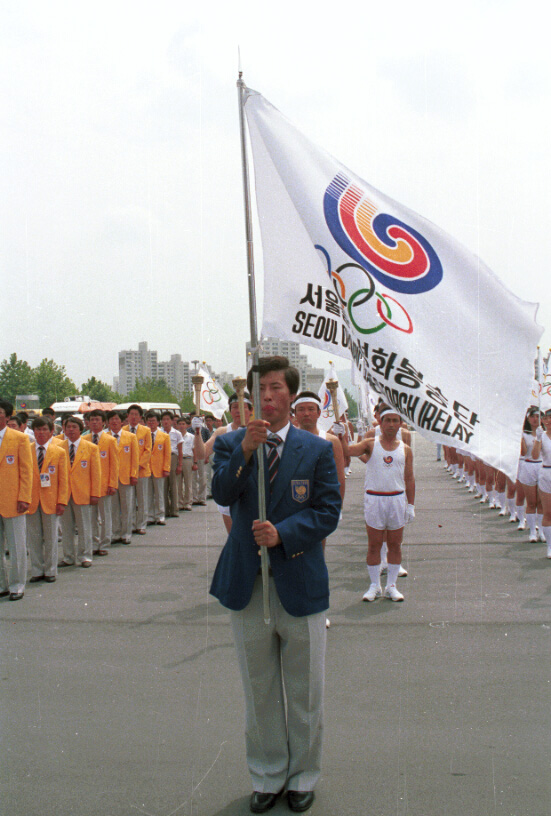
x=121 y=206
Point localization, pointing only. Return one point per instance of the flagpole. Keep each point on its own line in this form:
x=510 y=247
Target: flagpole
x=264 y=562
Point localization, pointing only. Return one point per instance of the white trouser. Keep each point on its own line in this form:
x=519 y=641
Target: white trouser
x=185 y=483
x=42 y=532
x=282 y=668
x=13 y=531
x=79 y=515
x=200 y=482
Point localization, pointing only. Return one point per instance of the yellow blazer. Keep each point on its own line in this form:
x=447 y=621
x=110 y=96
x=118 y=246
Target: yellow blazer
x=143 y=435
x=56 y=465
x=16 y=472
x=129 y=457
x=109 y=461
x=160 y=454
x=84 y=473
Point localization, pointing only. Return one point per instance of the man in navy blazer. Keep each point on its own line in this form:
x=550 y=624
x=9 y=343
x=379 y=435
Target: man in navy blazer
x=282 y=663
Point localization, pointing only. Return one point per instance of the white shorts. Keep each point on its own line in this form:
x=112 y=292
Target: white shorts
x=224 y=510
x=528 y=473
x=544 y=480
x=385 y=512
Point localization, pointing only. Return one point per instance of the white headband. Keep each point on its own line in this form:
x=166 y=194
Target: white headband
x=306 y=399
x=388 y=411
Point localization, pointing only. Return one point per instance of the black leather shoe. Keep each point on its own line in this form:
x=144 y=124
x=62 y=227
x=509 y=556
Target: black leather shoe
x=16 y=596
x=5 y=593
x=299 y=801
x=262 y=802
x=50 y=579
x=35 y=579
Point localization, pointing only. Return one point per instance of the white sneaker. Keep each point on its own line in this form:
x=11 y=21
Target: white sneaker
x=484 y=499
x=522 y=525
x=548 y=551
x=392 y=593
x=513 y=518
x=533 y=538
x=503 y=511
x=402 y=573
x=327 y=623
x=542 y=538
x=373 y=592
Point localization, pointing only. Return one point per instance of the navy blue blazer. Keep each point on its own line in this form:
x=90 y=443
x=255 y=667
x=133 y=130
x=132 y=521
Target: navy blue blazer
x=304 y=506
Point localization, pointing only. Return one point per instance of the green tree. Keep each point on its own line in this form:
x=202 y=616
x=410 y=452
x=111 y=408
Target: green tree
x=151 y=391
x=51 y=383
x=16 y=377
x=352 y=405
x=99 y=391
x=186 y=402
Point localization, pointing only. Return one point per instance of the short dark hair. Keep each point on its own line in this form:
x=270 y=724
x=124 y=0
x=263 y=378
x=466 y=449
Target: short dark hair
x=267 y=364
x=168 y=414
x=527 y=428
x=76 y=421
x=137 y=407
x=40 y=422
x=23 y=416
x=111 y=414
x=152 y=415
x=7 y=407
x=17 y=419
x=48 y=412
x=97 y=412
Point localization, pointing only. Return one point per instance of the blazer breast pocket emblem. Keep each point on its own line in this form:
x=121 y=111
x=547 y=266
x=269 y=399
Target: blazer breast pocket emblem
x=300 y=489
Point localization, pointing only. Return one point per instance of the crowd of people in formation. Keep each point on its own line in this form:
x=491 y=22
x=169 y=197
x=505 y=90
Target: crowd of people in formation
x=525 y=501
x=68 y=492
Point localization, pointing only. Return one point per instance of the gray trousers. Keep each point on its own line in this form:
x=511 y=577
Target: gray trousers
x=121 y=508
x=102 y=522
x=171 y=488
x=42 y=532
x=185 y=482
x=79 y=516
x=13 y=530
x=282 y=668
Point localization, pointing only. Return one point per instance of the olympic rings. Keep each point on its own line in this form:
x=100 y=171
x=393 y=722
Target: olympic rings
x=213 y=393
x=361 y=296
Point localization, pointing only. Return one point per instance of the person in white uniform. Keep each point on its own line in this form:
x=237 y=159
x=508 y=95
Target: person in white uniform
x=542 y=446
x=388 y=503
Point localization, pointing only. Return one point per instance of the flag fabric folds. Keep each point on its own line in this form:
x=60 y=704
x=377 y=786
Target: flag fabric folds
x=213 y=397
x=327 y=416
x=348 y=270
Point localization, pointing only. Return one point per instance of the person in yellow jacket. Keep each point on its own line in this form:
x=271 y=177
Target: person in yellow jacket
x=143 y=435
x=102 y=523
x=124 y=498
x=16 y=478
x=85 y=490
x=159 y=464
x=50 y=497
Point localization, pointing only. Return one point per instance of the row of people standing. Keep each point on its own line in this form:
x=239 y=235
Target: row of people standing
x=105 y=486
x=527 y=500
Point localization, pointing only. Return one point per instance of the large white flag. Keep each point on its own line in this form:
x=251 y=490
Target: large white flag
x=213 y=396
x=350 y=271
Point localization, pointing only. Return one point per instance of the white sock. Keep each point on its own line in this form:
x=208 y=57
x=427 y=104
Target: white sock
x=392 y=574
x=547 y=533
x=539 y=520
x=531 y=521
x=520 y=512
x=501 y=499
x=374 y=574
x=511 y=505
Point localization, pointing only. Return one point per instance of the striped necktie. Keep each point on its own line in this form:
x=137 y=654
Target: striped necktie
x=72 y=453
x=40 y=457
x=152 y=439
x=95 y=438
x=273 y=457
x=116 y=437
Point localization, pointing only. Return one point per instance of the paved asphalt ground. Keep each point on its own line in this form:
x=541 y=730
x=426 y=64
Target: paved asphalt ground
x=120 y=693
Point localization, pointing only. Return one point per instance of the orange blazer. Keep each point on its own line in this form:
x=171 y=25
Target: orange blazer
x=160 y=454
x=56 y=465
x=84 y=473
x=109 y=461
x=128 y=457
x=143 y=435
x=16 y=472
